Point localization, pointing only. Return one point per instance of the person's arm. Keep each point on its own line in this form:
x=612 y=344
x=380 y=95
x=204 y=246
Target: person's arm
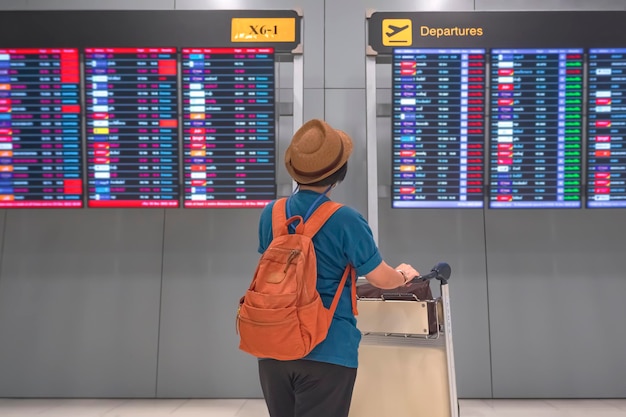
x=386 y=277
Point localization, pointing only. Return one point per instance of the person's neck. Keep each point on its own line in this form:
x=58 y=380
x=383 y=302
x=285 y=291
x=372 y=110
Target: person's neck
x=317 y=189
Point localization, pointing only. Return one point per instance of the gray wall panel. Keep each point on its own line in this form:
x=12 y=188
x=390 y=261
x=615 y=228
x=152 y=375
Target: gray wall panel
x=313 y=12
x=418 y=5
x=100 y=5
x=313 y=103
x=284 y=76
x=550 y=5
x=556 y=283
x=13 y=5
x=344 y=48
x=210 y=256
x=345 y=110
x=425 y=237
x=383 y=80
x=284 y=95
x=79 y=303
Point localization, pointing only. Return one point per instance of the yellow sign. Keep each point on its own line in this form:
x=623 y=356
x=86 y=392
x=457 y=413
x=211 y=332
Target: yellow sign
x=282 y=29
x=397 y=32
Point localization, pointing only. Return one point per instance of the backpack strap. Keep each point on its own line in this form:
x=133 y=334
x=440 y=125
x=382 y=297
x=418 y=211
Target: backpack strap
x=349 y=270
x=320 y=216
x=279 y=224
x=312 y=226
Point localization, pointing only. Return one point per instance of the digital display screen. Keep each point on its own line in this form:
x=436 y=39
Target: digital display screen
x=132 y=127
x=536 y=128
x=228 y=127
x=438 y=127
x=40 y=148
x=606 y=154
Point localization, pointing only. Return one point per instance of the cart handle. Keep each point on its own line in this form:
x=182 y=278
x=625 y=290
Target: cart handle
x=441 y=271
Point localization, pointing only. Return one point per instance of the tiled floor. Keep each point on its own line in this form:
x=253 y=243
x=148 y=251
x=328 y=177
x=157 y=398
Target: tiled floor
x=256 y=408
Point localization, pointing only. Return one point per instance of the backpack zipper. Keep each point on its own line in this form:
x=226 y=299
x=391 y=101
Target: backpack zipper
x=292 y=255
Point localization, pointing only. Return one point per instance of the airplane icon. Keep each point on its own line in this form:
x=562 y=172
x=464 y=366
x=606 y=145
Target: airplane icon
x=395 y=30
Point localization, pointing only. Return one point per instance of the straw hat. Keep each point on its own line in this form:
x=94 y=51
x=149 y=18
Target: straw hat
x=316 y=152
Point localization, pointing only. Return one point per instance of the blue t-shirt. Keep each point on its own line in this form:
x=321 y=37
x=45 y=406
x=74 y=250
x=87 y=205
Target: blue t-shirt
x=345 y=238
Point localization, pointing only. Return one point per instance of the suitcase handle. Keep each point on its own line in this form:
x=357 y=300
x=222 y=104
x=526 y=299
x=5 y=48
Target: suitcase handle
x=441 y=271
x=399 y=296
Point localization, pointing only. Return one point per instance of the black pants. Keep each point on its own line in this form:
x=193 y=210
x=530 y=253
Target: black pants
x=305 y=388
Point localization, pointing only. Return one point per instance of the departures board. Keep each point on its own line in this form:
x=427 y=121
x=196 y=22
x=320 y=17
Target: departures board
x=534 y=134
x=132 y=127
x=536 y=128
x=155 y=109
x=229 y=152
x=40 y=129
x=161 y=125
x=486 y=113
x=438 y=127
x=606 y=151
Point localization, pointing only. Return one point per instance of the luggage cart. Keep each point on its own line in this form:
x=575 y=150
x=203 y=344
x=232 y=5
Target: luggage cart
x=406 y=366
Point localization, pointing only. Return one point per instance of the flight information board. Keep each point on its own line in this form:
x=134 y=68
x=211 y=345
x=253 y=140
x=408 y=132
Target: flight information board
x=536 y=128
x=438 y=127
x=40 y=151
x=132 y=127
x=606 y=155
x=228 y=127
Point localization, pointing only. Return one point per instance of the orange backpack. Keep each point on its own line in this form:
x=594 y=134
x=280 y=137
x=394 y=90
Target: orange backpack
x=282 y=316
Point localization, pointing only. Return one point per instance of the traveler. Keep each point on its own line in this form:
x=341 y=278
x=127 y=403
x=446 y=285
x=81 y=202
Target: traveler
x=321 y=384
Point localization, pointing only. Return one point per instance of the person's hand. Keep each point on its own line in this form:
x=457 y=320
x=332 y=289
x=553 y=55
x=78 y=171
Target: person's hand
x=408 y=272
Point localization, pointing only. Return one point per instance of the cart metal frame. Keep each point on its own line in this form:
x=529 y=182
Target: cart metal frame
x=401 y=320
